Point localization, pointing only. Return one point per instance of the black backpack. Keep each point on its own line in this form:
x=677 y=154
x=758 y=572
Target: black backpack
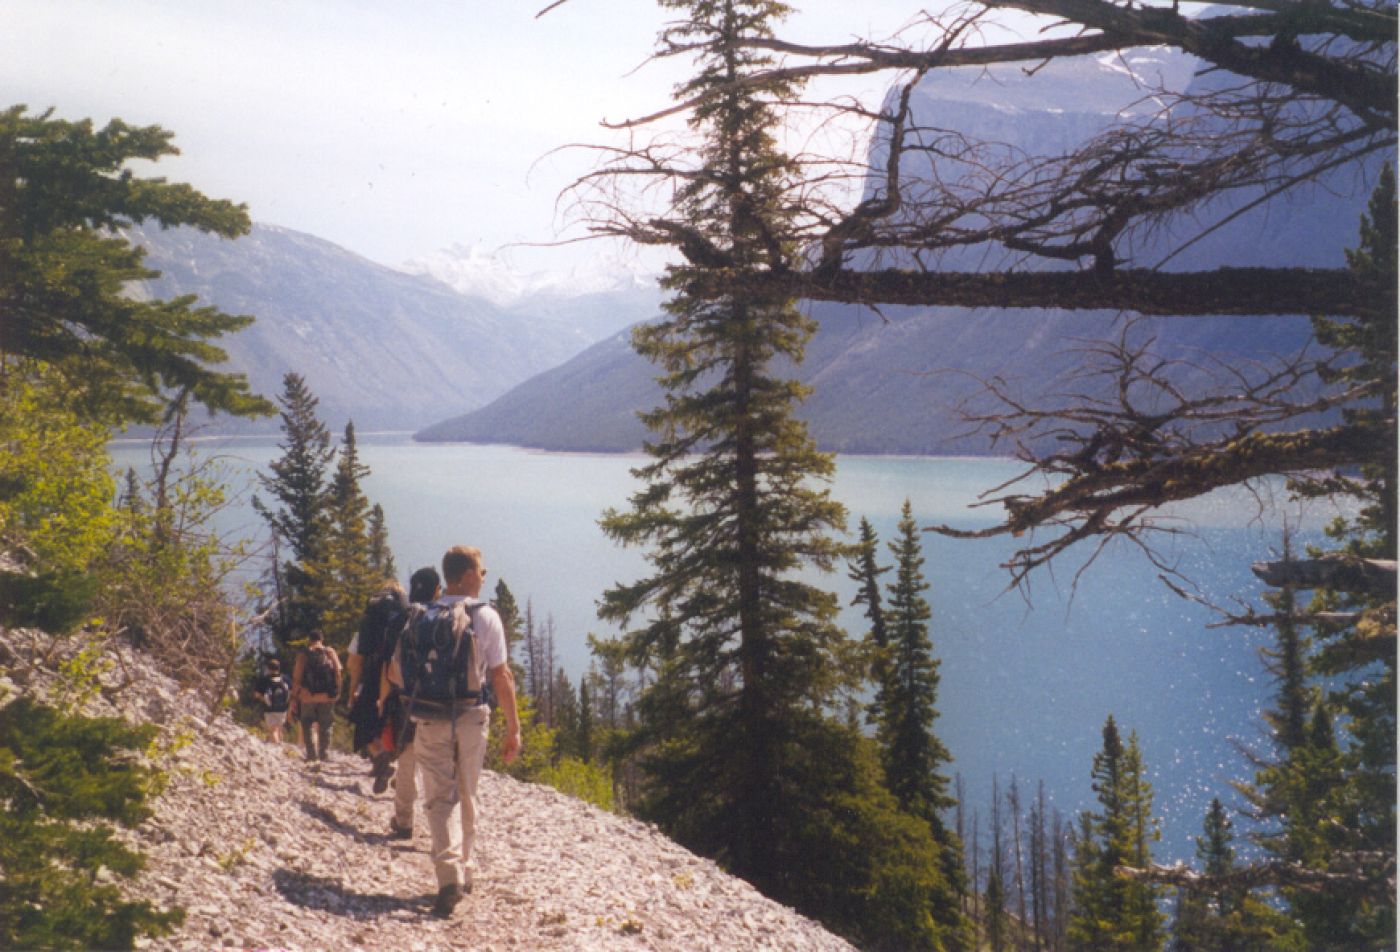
x=437 y=658
x=319 y=677
x=380 y=625
x=277 y=694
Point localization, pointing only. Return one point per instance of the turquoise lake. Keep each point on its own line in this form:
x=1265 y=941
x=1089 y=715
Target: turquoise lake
x=1027 y=679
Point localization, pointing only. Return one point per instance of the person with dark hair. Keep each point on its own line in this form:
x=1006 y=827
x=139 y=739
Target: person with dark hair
x=272 y=691
x=316 y=688
x=369 y=651
x=448 y=705
x=423 y=586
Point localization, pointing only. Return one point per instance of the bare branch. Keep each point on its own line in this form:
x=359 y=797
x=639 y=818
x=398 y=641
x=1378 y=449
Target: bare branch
x=1372 y=873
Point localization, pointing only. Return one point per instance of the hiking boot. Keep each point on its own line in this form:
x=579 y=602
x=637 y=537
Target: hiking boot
x=383 y=771
x=397 y=832
x=447 y=898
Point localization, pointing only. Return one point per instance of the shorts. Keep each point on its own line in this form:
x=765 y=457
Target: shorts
x=272 y=718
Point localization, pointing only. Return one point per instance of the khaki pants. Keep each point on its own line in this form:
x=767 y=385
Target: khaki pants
x=446 y=784
x=405 y=787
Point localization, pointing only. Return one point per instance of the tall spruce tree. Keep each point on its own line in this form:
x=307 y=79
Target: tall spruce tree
x=381 y=557
x=744 y=762
x=297 y=512
x=347 y=573
x=1113 y=912
x=865 y=571
x=914 y=759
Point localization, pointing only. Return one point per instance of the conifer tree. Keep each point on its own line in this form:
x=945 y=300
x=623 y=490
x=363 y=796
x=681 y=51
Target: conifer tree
x=745 y=763
x=1112 y=912
x=585 y=722
x=865 y=571
x=1356 y=818
x=996 y=911
x=297 y=513
x=565 y=714
x=915 y=760
x=1328 y=796
x=69 y=194
x=509 y=610
x=347 y=574
x=1230 y=920
x=381 y=557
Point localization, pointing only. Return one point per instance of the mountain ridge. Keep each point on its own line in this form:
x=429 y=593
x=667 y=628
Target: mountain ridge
x=384 y=347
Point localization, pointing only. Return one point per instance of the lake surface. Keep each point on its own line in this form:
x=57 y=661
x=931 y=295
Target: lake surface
x=1026 y=681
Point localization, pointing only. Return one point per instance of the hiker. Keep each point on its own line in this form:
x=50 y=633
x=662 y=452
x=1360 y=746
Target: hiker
x=272 y=691
x=316 y=687
x=368 y=654
x=423 y=587
x=449 y=710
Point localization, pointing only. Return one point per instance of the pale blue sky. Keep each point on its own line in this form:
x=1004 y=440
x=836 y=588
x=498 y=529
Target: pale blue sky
x=394 y=129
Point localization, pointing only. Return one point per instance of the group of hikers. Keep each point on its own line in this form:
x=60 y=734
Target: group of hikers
x=425 y=669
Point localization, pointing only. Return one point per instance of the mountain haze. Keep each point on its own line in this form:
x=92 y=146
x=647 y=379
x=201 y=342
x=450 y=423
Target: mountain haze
x=389 y=349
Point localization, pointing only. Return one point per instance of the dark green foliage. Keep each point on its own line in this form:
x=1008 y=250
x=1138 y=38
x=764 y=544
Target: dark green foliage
x=865 y=571
x=66 y=193
x=743 y=759
x=297 y=485
x=1328 y=795
x=584 y=741
x=1113 y=912
x=60 y=777
x=1230 y=919
x=995 y=923
x=915 y=760
x=509 y=610
x=348 y=572
x=381 y=557
x=54 y=601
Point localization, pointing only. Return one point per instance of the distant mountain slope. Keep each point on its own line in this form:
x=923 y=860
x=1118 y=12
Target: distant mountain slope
x=890 y=384
x=389 y=349
x=893 y=382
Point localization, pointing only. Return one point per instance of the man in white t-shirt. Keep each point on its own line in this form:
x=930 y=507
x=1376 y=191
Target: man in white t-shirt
x=460 y=727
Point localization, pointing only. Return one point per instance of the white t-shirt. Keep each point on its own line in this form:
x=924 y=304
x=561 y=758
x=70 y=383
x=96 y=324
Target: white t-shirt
x=490 y=635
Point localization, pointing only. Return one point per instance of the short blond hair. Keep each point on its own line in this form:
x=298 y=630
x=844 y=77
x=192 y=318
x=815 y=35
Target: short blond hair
x=459 y=560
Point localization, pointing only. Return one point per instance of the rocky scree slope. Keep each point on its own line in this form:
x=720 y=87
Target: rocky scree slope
x=264 y=853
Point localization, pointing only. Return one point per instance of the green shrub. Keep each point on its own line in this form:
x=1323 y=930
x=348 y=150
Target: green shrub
x=60 y=776
x=588 y=782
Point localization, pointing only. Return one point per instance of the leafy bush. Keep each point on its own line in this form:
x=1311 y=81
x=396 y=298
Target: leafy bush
x=588 y=782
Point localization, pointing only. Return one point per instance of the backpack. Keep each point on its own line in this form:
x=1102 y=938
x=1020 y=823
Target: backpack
x=380 y=624
x=320 y=675
x=277 y=694
x=437 y=658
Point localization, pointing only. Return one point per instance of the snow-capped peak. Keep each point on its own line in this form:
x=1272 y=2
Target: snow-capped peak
x=492 y=275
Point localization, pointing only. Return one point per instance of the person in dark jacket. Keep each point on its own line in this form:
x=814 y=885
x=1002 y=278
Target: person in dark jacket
x=369 y=651
x=423 y=587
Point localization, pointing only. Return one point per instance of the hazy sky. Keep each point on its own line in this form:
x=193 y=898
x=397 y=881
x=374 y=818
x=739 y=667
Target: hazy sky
x=394 y=129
